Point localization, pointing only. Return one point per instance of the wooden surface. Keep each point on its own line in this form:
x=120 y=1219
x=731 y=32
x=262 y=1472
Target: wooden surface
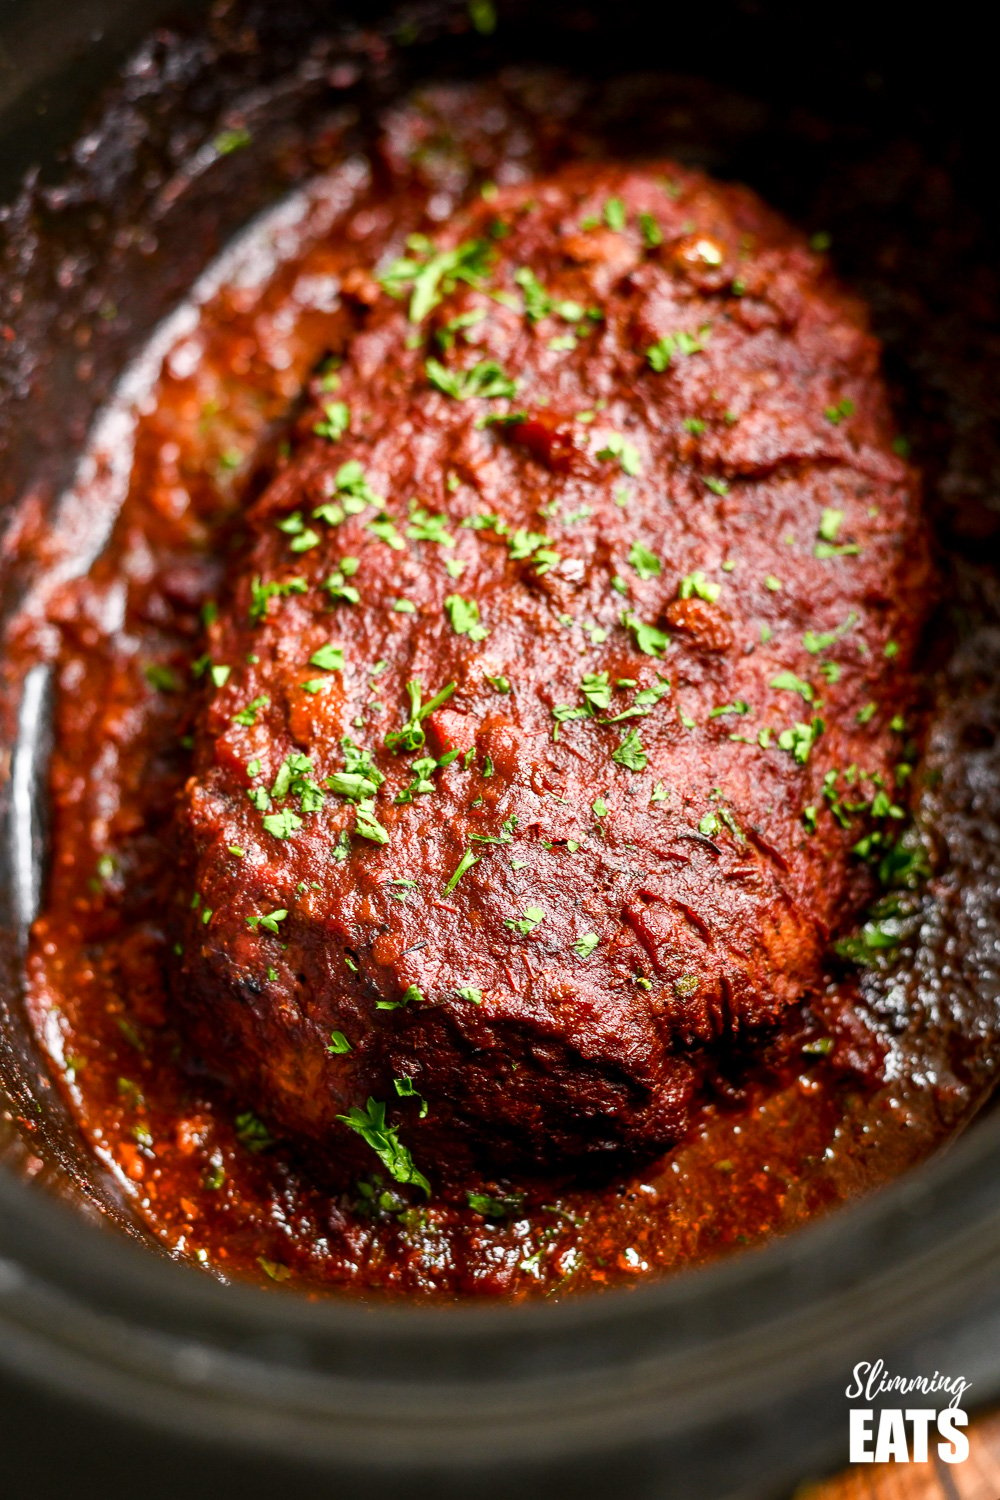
x=977 y=1479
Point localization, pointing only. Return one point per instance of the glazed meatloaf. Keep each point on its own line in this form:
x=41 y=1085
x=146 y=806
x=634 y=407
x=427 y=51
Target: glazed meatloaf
x=553 y=720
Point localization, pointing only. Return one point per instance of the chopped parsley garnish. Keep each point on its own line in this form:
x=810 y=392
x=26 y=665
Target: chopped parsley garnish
x=630 y=753
x=537 y=302
x=161 y=678
x=618 y=447
x=485 y=380
x=614 y=214
x=799 y=740
x=336 y=421
x=596 y=688
x=406 y=1090
x=268 y=920
x=471 y=993
x=523 y=545
x=304 y=538
x=696 y=585
x=366 y=825
x=252 y=1133
x=228 y=141
x=645 y=563
x=282 y=825
x=411 y=736
x=464 y=865
x=328 y=658
x=424 y=527
x=836 y=414
x=437 y=274
x=533 y=916
x=584 y=946
x=661 y=355
x=446 y=335
x=463 y=616
x=495 y=1208
x=337 y=585
x=369 y=1123
x=507 y=828
x=787 y=682
x=652 y=234
x=829 y=529
x=262 y=593
x=650 y=640
x=356 y=786
x=815 y=643
x=248 y=716
x=387 y=531
x=354 y=494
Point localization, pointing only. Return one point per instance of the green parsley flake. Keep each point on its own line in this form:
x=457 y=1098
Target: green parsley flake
x=631 y=753
x=652 y=234
x=161 y=678
x=336 y=421
x=425 y=527
x=696 y=585
x=262 y=593
x=614 y=214
x=662 y=354
x=406 y=1090
x=411 y=736
x=464 y=865
x=485 y=381
x=282 y=825
x=799 y=740
x=618 y=447
x=523 y=545
x=584 y=946
x=596 y=688
x=328 y=658
x=463 y=616
x=836 y=414
x=228 y=141
x=645 y=563
x=383 y=1139
x=268 y=920
x=650 y=640
x=248 y=716
x=366 y=825
x=533 y=916
x=787 y=682
x=435 y=276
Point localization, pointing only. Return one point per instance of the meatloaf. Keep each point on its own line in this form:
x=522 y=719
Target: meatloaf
x=553 y=721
